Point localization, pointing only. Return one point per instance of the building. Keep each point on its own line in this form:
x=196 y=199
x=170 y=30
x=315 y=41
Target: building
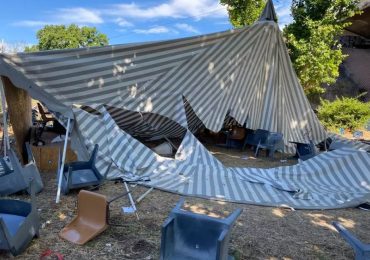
x=354 y=76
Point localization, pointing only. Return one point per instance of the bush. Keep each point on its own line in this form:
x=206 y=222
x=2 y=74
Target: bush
x=348 y=113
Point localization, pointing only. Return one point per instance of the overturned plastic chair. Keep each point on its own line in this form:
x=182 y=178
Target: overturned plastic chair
x=19 y=223
x=362 y=250
x=92 y=217
x=274 y=142
x=78 y=175
x=187 y=235
x=307 y=151
x=17 y=178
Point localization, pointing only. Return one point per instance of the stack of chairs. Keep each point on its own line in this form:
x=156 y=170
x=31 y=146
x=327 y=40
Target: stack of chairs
x=17 y=178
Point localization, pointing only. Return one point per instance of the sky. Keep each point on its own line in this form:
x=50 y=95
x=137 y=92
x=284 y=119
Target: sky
x=123 y=21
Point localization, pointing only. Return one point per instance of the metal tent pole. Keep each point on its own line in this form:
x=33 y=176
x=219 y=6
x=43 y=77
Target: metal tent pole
x=63 y=159
x=5 y=123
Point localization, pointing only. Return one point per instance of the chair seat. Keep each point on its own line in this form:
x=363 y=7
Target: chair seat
x=84 y=176
x=91 y=219
x=12 y=222
x=80 y=231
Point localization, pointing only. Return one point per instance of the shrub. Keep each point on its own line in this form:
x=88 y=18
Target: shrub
x=349 y=113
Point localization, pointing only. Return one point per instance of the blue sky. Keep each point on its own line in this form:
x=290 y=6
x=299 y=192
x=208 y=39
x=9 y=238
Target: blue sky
x=122 y=20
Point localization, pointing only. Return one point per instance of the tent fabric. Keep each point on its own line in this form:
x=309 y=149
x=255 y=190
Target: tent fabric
x=269 y=13
x=150 y=125
x=244 y=73
x=334 y=179
x=353 y=143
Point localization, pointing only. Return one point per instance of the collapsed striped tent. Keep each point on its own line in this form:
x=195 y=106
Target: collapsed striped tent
x=244 y=73
x=173 y=88
x=335 y=179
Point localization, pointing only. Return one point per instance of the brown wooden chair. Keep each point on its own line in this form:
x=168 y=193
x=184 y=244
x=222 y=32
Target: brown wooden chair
x=44 y=114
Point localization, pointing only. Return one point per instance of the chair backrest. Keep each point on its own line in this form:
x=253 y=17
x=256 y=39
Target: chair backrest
x=261 y=135
x=274 y=138
x=92 y=208
x=307 y=151
x=43 y=113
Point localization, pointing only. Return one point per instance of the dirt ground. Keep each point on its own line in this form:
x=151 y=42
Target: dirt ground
x=260 y=232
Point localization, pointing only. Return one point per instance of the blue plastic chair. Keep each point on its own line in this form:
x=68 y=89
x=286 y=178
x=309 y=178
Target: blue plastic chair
x=362 y=250
x=274 y=142
x=306 y=151
x=187 y=235
x=78 y=175
x=19 y=223
x=255 y=138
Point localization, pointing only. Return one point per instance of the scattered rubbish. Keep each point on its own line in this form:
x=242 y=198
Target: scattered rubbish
x=48 y=252
x=130 y=209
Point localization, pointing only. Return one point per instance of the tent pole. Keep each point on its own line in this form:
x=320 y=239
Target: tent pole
x=5 y=123
x=63 y=159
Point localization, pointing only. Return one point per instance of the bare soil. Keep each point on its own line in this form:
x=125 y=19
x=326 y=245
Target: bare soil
x=260 y=232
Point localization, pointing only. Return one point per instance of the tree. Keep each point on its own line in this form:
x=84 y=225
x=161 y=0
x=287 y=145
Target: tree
x=312 y=39
x=243 y=12
x=316 y=59
x=64 y=37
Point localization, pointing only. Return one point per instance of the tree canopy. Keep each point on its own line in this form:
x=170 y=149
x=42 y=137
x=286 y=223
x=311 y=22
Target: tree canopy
x=243 y=12
x=64 y=37
x=311 y=37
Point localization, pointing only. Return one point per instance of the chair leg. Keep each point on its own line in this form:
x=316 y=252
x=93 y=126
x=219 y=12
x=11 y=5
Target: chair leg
x=256 y=152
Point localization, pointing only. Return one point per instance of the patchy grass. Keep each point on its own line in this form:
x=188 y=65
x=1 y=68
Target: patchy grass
x=260 y=232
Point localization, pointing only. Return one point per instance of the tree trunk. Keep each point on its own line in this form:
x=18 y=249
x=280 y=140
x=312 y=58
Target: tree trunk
x=20 y=113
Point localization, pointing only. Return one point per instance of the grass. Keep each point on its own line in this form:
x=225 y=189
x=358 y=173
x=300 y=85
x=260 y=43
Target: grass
x=260 y=232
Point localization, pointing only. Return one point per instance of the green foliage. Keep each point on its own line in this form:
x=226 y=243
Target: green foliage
x=316 y=59
x=32 y=48
x=349 y=113
x=311 y=37
x=61 y=37
x=327 y=12
x=243 y=12
x=312 y=40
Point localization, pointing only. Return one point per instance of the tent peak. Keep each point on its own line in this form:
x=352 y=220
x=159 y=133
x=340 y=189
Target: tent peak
x=268 y=13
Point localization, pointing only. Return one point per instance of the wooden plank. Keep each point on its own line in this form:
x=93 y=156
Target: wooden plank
x=20 y=113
